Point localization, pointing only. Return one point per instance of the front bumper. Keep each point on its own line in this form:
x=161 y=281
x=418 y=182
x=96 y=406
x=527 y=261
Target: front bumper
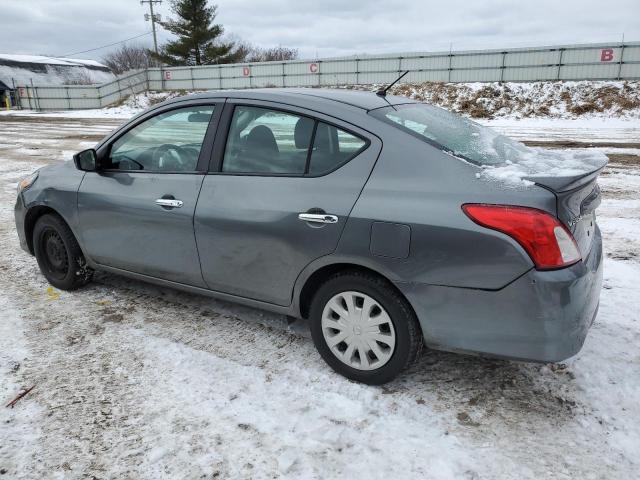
x=542 y=316
x=20 y=213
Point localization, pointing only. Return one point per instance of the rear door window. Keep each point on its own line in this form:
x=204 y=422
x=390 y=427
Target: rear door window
x=273 y=142
x=267 y=141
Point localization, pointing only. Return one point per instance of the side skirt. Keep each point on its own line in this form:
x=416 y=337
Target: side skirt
x=289 y=310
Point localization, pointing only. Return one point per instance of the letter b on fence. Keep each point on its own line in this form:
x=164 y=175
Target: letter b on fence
x=606 y=54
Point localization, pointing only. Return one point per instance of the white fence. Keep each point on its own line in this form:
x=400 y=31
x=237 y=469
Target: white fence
x=75 y=97
x=566 y=62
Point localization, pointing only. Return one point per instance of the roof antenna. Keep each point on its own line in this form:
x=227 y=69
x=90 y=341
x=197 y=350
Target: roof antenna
x=383 y=91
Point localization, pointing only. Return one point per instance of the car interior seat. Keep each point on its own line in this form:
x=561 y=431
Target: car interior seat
x=260 y=151
x=325 y=149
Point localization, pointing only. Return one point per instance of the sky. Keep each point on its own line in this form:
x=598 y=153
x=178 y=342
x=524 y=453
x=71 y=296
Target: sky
x=326 y=28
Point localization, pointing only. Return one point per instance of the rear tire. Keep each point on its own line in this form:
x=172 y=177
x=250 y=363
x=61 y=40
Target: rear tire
x=59 y=256
x=373 y=339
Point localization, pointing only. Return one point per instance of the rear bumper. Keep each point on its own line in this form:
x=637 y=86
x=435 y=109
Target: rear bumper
x=20 y=212
x=542 y=316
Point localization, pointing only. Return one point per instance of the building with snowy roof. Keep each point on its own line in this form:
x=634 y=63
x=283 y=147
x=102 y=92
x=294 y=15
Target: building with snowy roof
x=24 y=70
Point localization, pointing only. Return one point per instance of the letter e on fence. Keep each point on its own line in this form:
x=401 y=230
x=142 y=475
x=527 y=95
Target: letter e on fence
x=606 y=54
x=313 y=67
x=167 y=75
x=22 y=92
x=246 y=71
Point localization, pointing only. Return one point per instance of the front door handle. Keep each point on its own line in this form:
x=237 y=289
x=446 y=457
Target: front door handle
x=318 y=218
x=169 y=203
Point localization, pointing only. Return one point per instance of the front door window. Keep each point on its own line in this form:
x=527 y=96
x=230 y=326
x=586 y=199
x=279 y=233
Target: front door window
x=168 y=142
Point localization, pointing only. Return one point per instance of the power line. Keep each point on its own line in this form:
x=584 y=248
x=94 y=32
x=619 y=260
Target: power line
x=58 y=57
x=103 y=46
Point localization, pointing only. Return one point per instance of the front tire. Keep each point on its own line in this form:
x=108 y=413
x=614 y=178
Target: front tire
x=59 y=256
x=363 y=328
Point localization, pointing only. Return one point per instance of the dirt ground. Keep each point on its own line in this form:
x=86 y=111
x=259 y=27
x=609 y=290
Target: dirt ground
x=136 y=381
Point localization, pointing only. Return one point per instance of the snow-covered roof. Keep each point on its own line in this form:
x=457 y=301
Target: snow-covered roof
x=50 y=60
x=22 y=70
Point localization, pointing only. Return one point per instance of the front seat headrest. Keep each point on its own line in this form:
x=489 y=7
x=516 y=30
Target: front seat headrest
x=261 y=138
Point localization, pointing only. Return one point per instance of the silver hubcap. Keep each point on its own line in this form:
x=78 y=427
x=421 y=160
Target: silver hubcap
x=358 y=330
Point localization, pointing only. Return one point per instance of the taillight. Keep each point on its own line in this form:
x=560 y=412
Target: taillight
x=549 y=244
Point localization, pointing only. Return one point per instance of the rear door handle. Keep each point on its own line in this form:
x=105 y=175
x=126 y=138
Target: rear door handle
x=169 y=203
x=318 y=218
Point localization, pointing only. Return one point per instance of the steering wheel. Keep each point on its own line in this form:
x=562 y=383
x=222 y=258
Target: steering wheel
x=170 y=157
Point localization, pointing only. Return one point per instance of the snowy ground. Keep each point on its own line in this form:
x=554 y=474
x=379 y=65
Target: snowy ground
x=135 y=381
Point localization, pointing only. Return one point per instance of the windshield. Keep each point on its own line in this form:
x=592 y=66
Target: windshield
x=452 y=133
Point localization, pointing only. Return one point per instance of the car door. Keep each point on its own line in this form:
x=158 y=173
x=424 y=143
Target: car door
x=281 y=188
x=136 y=212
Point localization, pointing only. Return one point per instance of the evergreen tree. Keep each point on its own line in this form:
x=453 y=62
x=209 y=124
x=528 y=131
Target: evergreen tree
x=198 y=41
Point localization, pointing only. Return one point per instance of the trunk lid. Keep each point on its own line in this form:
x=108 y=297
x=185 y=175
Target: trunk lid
x=578 y=197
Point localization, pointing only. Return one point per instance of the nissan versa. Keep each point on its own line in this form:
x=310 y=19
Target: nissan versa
x=368 y=215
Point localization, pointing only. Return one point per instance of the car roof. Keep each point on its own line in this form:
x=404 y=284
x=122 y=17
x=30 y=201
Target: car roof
x=302 y=96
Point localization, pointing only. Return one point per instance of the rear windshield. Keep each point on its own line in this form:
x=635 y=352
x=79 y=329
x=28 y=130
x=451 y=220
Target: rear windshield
x=452 y=133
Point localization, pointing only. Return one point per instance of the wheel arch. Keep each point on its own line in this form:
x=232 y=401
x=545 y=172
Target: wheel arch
x=316 y=278
x=31 y=217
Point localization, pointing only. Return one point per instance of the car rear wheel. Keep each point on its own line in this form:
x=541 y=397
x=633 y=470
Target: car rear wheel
x=58 y=254
x=363 y=328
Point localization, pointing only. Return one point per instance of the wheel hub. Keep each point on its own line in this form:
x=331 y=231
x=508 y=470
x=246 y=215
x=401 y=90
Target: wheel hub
x=56 y=253
x=358 y=330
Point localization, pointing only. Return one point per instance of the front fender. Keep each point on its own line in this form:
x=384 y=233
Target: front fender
x=55 y=190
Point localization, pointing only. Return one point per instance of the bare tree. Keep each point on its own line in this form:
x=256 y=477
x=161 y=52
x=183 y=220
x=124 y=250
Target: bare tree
x=273 y=54
x=243 y=51
x=241 y=48
x=129 y=57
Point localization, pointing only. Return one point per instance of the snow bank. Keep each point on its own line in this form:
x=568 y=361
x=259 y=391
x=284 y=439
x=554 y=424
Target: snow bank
x=49 y=60
x=43 y=71
x=54 y=75
x=583 y=99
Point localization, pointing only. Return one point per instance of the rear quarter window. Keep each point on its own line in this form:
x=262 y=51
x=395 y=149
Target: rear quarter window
x=332 y=147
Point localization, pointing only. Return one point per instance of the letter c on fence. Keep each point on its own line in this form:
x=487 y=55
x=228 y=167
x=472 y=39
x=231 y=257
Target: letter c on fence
x=246 y=71
x=606 y=54
x=313 y=67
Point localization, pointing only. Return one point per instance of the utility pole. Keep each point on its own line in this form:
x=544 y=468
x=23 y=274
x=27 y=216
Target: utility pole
x=154 y=18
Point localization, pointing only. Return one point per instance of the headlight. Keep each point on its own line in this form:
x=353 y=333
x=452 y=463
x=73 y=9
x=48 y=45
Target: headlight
x=27 y=182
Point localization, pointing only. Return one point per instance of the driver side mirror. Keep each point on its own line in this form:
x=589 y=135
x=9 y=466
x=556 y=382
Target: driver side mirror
x=87 y=160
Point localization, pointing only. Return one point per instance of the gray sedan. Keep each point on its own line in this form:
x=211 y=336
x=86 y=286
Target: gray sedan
x=368 y=215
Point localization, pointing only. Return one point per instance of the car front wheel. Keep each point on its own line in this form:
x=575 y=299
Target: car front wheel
x=58 y=254
x=363 y=328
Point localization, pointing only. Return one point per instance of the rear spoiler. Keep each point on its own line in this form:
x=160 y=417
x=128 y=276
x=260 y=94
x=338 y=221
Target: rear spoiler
x=567 y=183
